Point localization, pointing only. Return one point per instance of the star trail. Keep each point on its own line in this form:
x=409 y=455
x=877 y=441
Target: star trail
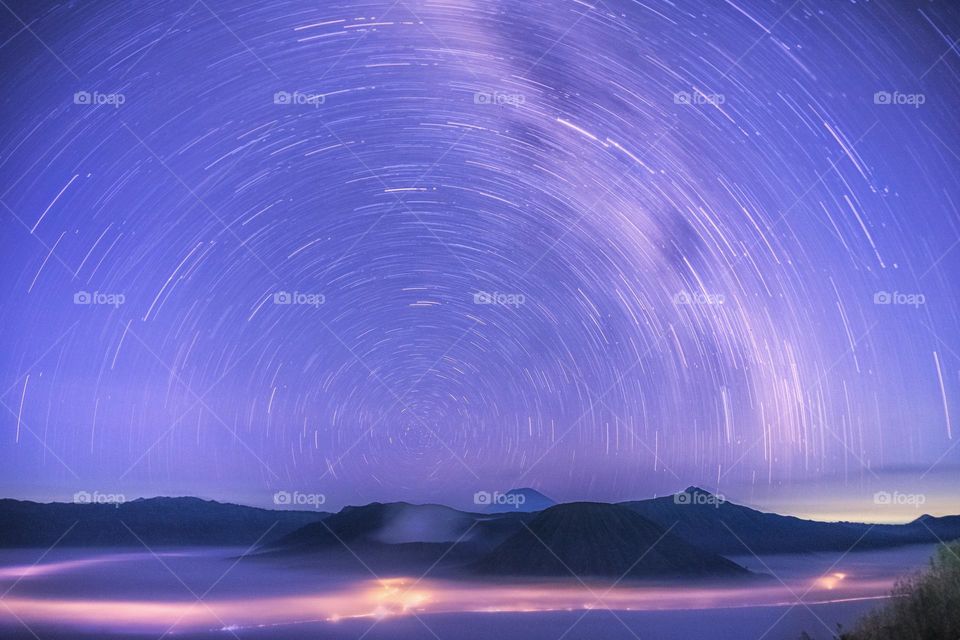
x=412 y=249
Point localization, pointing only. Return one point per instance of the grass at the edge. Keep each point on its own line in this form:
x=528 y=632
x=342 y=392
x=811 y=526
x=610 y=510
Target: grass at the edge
x=925 y=606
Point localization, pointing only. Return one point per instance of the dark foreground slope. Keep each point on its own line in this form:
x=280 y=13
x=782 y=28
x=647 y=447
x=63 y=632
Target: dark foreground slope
x=587 y=539
x=153 y=521
x=926 y=605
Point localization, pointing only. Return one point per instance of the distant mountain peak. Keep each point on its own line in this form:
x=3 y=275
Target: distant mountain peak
x=168 y=500
x=523 y=499
x=527 y=491
x=695 y=490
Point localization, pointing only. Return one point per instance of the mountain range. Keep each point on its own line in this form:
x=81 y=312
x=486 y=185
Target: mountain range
x=686 y=535
x=723 y=527
x=151 y=522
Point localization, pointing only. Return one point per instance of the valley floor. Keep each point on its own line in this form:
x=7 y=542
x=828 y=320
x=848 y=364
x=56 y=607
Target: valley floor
x=210 y=593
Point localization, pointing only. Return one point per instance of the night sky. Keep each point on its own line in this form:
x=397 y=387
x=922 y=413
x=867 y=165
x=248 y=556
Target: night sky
x=415 y=249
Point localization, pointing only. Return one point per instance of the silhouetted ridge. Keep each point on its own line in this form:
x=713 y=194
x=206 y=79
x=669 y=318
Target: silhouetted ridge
x=601 y=540
x=378 y=523
x=714 y=524
x=348 y=525
x=156 y=521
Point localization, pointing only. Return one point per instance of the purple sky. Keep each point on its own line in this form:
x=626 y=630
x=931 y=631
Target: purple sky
x=413 y=250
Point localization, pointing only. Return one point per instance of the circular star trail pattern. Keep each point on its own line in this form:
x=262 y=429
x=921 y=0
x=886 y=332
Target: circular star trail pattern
x=600 y=248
